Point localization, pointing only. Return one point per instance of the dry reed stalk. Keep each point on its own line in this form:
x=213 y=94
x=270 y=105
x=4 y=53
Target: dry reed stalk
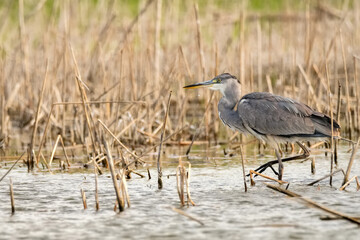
x=137 y=158
x=24 y=47
x=12 y=197
x=314 y=204
x=268 y=81
x=313 y=169
x=332 y=122
x=242 y=47
x=186 y=63
x=157 y=40
x=264 y=176
x=46 y=164
x=83 y=96
x=310 y=87
x=307 y=35
x=42 y=141
x=199 y=42
x=243 y=167
x=259 y=55
x=357 y=97
x=187 y=183
x=150 y=149
x=348 y=182
x=8 y=171
x=83 y=197
x=97 y=204
x=109 y=158
x=187 y=215
x=98 y=102
x=132 y=24
x=64 y=150
x=347 y=112
x=87 y=114
x=54 y=149
x=123 y=186
x=326 y=176
x=129 y=125
x=180 y=175
x=32 y=143
x=160 y=183
x=352 y=158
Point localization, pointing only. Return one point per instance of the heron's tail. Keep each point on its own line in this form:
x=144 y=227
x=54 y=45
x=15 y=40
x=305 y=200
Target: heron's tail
x=322 y=124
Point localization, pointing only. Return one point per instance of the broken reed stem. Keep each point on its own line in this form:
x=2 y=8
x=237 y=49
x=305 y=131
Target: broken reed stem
x=97 y=205
x=124 y=188
x=180 y=183
x=12 y=167
x=264 y=176
x=12 y=197
x=314 y=204
x=348 y=170
x=54 y=149
x=160 y=183
x=31 y=157
x=187 y=182
x=109 y=158
x=348 y=182
x=83 y=197
x=326 y=176
x=243 y=167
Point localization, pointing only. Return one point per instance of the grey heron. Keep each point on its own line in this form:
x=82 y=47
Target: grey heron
x=270 y=118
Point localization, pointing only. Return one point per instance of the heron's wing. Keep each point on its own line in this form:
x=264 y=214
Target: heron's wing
x=266 y=113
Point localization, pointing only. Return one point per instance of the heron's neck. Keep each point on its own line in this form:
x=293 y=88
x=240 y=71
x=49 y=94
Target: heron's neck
x=231 y=96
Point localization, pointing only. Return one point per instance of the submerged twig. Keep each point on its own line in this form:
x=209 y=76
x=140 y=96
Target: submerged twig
x=314 y=204
x=326 y=176
x=187 y=215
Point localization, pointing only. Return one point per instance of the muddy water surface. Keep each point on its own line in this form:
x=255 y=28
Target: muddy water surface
x=48 y=206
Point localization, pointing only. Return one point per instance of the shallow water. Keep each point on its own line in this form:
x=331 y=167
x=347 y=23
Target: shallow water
x=50 y=206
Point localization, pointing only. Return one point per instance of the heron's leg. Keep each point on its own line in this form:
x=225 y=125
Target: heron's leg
x=305 y=154
x=281 y=166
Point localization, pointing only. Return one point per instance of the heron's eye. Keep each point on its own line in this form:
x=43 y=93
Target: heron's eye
x=218 y=80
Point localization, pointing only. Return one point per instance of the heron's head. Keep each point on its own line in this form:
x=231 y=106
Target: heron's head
x=224 y=82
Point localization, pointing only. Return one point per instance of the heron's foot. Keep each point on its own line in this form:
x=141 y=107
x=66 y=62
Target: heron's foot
x=263 y=167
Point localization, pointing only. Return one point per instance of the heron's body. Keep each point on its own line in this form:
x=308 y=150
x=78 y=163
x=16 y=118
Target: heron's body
x=280 y=120
x=270 y=118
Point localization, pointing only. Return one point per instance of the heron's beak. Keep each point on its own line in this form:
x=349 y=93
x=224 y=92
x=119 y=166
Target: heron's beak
x=202 y=84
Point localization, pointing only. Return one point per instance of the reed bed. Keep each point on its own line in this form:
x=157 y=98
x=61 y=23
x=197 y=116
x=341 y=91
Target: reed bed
x=126 y=63
x=95 y=76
